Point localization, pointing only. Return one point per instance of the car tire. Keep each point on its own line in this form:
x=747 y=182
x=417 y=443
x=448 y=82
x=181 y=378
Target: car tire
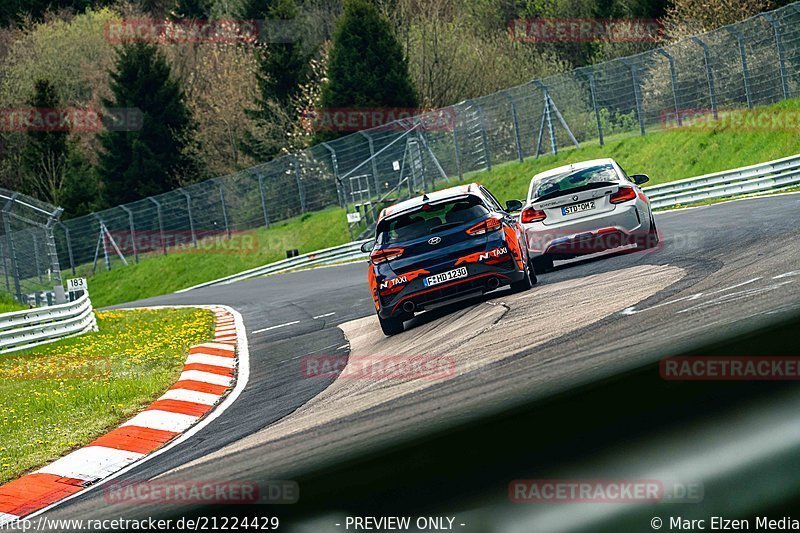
x=651 y=239
x=542 y=264
x=393 y=325
x=527 y=281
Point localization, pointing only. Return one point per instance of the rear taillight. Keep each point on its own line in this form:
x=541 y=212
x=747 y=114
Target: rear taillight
x=385 y=254
x=485 y=226
x=623 y=195
x=532 y=215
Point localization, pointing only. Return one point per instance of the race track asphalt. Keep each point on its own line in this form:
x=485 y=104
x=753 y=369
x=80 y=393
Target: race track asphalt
x=720 y=270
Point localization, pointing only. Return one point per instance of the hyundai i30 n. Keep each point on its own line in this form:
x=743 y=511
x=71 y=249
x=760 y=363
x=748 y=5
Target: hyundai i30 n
x=443 y=247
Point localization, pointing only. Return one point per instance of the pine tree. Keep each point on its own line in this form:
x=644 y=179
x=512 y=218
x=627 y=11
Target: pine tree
x=366 y=68
x=283 y=67
x=44 y=158
x=152 y=159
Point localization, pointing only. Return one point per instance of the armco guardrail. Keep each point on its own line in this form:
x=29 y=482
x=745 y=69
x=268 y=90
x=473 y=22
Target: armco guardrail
x=745 y=180
x=751 y=179
x=345 y=252
x=26 y=329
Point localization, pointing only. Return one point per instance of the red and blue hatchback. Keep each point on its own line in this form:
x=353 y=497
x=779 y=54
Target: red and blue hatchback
x=443 y=247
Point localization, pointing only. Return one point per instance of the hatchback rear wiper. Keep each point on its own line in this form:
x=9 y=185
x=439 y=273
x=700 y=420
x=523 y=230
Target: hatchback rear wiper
x=444 y=226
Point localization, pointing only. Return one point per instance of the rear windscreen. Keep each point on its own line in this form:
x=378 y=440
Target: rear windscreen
x=573 y=179
x=429 y=219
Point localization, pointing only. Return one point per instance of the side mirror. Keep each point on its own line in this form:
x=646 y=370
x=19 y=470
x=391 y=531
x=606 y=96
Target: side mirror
x=638 y=179
x=368 y=246
x=513 y=206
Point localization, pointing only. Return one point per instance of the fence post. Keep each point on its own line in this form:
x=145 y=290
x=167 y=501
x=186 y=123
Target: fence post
x=456 y=148
x=335 y=166
x=674 y=81
x=745 y=72
x=11 y=250
x=101 y=240
x=587 y=71
x=132 y=229
x=301 y=190
x=372 y=160
x=781 y=52
x=484 y=138
x=160 y=223
x=36 y=258
x=712 y=93
x=263 y=199
x=50 y=245
x=5 y=266
x=636 y=94
x=69 y=246
x=189 y=213
x=516 y=123
x=548 y=118
x=224 y=209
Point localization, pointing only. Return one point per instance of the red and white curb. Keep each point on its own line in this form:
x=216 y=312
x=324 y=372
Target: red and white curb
x=213 y=376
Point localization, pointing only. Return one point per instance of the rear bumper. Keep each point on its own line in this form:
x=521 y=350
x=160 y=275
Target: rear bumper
x=587 y=235
x=481 y=279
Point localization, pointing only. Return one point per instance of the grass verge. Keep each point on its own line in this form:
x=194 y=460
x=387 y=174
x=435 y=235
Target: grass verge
x=9 y=304
x=61 y=396
x=161 y=274
x=666 y=155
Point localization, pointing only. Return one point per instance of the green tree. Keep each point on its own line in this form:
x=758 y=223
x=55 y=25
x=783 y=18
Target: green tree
x=283 y=67
x=13 y=11
x=191 y=10
x=44 y=157
x=51 y=164
x=366 y=67
x=150 y=160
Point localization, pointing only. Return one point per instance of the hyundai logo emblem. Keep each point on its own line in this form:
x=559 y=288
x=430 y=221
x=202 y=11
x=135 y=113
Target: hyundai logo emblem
x=575 y=198
x=434 y=241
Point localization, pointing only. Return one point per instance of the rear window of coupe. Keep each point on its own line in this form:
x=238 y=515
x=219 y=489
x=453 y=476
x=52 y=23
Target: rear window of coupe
x=573 y=179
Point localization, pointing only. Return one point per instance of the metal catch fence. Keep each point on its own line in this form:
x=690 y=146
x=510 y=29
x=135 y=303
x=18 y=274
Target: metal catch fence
x=28 y=257
x=741 y=66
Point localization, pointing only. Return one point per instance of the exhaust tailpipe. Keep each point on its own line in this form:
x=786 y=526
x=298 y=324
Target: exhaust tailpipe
x=492 y=284
x=409 y=307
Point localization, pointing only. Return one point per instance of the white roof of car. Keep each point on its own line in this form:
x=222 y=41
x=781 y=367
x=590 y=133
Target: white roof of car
x=575 y=166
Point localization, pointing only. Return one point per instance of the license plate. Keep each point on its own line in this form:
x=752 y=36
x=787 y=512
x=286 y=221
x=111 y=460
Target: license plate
x=577 y=208
x=445 y=276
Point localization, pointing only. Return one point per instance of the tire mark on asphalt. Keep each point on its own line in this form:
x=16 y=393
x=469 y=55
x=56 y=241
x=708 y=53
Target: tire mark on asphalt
x=475 y=337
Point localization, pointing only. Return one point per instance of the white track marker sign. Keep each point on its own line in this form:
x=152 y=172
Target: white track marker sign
x=76 y=287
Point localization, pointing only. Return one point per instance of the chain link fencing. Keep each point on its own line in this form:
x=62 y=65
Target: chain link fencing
x=29 y=261
x=748 y=64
